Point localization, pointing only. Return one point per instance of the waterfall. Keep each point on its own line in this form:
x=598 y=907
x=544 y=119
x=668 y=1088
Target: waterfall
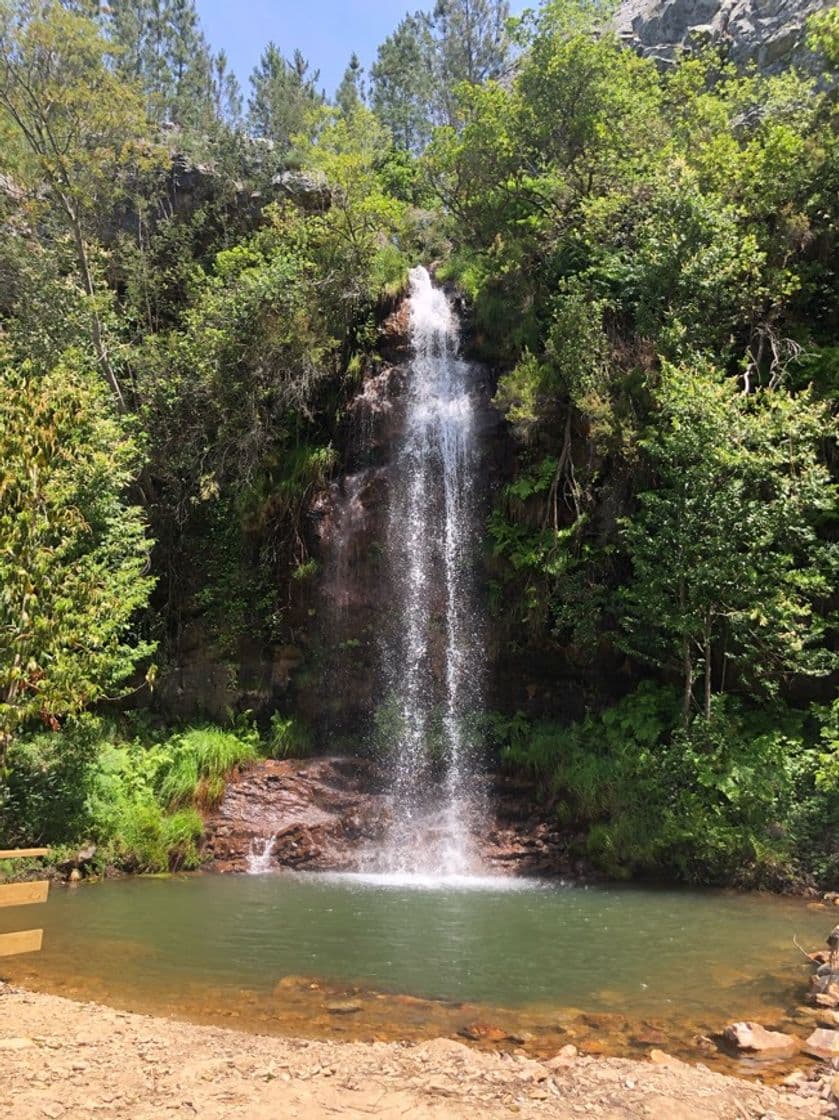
x=259 y=860
x=434 y=659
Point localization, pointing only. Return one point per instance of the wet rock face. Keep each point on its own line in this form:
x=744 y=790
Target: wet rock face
x=768 y=32
x=330 y=814
x=314 y=814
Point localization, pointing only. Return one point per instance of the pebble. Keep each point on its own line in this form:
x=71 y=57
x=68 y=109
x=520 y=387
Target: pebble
x=659 y=1058
x=16 y=1043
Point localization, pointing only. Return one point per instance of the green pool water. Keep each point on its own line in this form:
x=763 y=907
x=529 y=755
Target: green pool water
x=703 y=956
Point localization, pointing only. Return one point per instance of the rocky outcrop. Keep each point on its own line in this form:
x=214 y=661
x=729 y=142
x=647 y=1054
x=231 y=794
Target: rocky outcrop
x=314 y=815
x=770 y=33
x=309 y=191
x=331 y=814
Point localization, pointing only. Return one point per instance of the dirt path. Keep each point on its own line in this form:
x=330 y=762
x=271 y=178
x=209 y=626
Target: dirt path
x=78 y=1061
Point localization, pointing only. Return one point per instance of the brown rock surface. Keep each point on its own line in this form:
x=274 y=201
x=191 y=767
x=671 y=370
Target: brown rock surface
x=318 y=812
x=329 y=814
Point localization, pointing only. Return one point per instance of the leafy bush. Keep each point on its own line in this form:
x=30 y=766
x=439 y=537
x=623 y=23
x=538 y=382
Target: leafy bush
x=714 y=803
x=138 y=799
x=43 y=799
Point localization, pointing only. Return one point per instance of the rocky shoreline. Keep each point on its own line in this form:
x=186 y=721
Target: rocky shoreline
x=67 y=1059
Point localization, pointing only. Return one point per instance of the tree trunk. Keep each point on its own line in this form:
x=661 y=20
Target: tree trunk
x=708 y=668
x=90 y=291
x=687 y=661
x=687 y=672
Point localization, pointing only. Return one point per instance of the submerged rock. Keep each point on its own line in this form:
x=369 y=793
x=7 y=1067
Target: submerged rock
x=343 y=1006
x=483 y=1032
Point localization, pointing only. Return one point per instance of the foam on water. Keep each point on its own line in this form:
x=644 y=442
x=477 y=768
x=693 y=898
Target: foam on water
x=419 y=881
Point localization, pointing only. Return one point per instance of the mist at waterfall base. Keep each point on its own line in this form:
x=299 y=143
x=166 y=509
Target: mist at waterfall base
x=433 y=657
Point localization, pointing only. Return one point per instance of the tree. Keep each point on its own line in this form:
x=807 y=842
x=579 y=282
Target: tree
x=402 y=83
x=80 y=122
x=823 y=34
x=283 y=95
x=727 y=565
x=164 y=49
x=472 y=46
x=351 y=90
x=73 y=554
x=417 y=69
x=227 y=93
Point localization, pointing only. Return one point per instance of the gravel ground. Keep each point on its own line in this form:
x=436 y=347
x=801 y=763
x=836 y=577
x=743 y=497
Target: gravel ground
x=81 y=1060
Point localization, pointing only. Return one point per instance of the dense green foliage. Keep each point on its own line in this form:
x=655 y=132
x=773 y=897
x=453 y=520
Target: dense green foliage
x=137 y=797
x=732 y=799
x=191 y=295
x=74 y=557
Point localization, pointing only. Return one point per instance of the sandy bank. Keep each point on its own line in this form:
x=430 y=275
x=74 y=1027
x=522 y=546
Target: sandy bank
x=66 y=1059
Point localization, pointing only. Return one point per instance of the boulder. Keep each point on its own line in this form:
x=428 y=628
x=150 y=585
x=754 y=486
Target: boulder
x=752 y=1038
x=310 y=192
x=823 y=1043
x=824 y=987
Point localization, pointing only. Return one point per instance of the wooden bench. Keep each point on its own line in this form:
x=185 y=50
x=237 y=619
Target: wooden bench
x=22 y=894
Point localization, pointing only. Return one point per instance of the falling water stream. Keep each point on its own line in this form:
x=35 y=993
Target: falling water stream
x=434 y=663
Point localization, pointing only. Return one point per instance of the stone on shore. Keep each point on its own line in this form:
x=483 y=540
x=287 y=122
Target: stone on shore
x=752 y=1038
x=823 y=1043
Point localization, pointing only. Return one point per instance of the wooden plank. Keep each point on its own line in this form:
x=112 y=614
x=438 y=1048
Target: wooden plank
x=28 y=941
x=23 y=853
x=22 y=894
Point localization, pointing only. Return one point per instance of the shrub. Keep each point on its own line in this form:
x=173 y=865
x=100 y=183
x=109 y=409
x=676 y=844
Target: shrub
x=288 y=737
x=139 y=800
x=43 y=799
x=202 y=759
x=711 y=804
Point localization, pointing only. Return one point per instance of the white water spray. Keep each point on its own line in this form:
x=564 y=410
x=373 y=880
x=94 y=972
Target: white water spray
x=435 y=660
x=260 y=855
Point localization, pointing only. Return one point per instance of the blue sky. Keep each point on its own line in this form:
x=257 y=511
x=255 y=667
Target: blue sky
x=326 y=31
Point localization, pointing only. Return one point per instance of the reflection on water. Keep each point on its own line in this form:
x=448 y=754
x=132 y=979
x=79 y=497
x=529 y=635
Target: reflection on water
x=271 y=950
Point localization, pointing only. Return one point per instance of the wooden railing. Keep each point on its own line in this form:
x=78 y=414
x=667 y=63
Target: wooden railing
x=22 y=894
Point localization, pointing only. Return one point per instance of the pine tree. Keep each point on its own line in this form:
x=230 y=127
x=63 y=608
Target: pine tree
x=283 y=94
x=351 y=90
x=227 y=93
x=472 y=45
x=402 y=82
x=165 y=49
